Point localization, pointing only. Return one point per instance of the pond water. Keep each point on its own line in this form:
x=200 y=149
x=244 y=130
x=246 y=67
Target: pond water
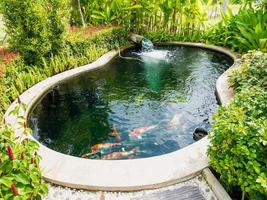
x=142 y=104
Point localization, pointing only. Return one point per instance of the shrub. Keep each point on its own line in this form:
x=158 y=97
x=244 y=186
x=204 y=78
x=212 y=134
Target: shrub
x=58 y=18
x=239 y=133
x=20 y=174
x=108 y=38
x=242 y=32
x=239 y=138
x=35 y=28
x=253 y=72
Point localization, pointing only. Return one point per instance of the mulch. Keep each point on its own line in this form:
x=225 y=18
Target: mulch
x=6 y=56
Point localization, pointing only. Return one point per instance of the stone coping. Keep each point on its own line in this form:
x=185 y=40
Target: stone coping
x=118 y=175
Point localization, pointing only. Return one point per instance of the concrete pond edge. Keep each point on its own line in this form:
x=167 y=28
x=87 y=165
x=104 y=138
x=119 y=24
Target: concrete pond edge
x=119 y=175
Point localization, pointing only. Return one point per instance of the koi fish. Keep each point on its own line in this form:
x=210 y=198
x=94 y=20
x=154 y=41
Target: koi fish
x=117 y=155
x=90 y=155
x=115 y=134
x=175 y=121
x=138 y=132
x=98 y=147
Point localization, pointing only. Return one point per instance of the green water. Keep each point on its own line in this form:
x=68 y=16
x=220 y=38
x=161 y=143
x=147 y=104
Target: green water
x=171 y=88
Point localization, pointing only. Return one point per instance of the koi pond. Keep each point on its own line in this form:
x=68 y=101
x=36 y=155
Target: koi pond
x=141 y=104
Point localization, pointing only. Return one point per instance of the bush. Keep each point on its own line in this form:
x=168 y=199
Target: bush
x=20 y=174
x=252 y=73
x=109 y=38
x=242 y=32
x=239 y=133
x=238 y=137
x=35 y=28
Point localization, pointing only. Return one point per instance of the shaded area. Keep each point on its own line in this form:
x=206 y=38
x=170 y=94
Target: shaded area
x=183 y=193
x=169 y=88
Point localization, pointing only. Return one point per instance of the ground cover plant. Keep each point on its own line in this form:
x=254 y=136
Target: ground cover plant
x=238 y=150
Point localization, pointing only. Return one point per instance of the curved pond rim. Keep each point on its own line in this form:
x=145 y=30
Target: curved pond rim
x=118 y=175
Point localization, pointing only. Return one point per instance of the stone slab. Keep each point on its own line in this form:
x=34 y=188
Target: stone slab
x=183 y=193
x=215 y=185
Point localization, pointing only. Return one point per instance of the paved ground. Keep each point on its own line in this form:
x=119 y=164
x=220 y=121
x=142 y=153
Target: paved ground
x=194 y=189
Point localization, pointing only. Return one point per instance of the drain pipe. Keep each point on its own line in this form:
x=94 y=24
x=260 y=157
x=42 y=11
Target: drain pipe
x=136 y=38
x=141 y=41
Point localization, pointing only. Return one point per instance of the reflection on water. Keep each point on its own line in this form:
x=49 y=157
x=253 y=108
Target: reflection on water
x=154 y=102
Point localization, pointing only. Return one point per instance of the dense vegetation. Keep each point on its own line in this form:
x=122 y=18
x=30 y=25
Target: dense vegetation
x=178 y=16
x=36 y=29
x=79 y=51
x=238 y=148
x=242 y=32
x=44 y=39
x=20 y=174
x=181 y=20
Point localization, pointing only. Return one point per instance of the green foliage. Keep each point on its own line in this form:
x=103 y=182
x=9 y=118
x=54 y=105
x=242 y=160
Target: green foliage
x=79 y=51
x=35 y=28
x=103 y=11
x=179 y=16
x=58 y=18
x=106 y=39
x=238 y=150
x=166 y=36
x=243 y=32
x=252 y=73
x=20 y=174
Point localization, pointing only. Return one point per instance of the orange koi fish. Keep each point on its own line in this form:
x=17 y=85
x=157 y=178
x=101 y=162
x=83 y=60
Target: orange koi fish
x=138 y=132
x=115 y=134
x=98 y=147
x=117 y=155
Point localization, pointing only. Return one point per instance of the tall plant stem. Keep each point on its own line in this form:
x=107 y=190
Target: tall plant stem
x=243 y=195
x=81 y=13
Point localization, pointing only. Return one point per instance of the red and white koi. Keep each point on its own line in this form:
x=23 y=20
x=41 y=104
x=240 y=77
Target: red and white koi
x=138 y=132
x=118 y=155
